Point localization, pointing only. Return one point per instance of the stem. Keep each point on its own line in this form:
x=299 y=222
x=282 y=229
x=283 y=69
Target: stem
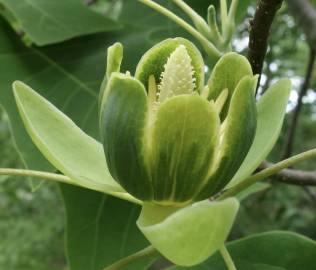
x=266 y=173
x=296 y=113
x=35 y=174
x=199 y=22
x=227 y=258
x=210 y=49
x=149 y=251
x=259 y=33
x=224 y=17
x=292 y=177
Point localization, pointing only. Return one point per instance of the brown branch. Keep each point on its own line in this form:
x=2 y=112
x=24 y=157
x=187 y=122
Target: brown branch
x=296 y=113
x=293 y=177
x=305 y=14
x=259 y=31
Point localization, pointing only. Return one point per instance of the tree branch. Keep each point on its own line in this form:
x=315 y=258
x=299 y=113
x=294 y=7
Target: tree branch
x=305 y=14
x=296 y=113
x=292 y=177
x=259 y=31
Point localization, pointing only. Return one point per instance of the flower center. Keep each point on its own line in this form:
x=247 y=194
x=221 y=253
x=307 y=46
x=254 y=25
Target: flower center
x=177 y=78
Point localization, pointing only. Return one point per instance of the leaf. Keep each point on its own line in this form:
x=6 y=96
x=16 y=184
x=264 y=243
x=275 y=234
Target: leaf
x=64 y=144
x=100 y=231
x=271 y=111
x=190 y=235
x=274 y=250
x=46 y=22
x=63 y=75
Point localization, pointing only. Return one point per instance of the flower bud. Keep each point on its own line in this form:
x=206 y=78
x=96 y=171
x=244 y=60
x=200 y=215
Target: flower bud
x=169 y=139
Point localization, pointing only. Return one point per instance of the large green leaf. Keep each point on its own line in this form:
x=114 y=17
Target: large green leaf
x=190 y=235
x=267 y=251
x=271 y=111
x=64 y=144
x=100 y=231
x=46 y=21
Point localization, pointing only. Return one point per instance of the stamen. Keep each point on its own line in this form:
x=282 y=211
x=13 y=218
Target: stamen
x=177 y=77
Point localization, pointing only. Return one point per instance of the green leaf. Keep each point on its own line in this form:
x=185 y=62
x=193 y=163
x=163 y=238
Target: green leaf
x=184 y=139
x=101 y=231
x=271 y=111
x=63 y=143
x=62 y=74
x=123 y=123
x=238 y=131
x=154 y=60
x=267 y=251
x=46 y=22
x=190 y=235
x=227 y=73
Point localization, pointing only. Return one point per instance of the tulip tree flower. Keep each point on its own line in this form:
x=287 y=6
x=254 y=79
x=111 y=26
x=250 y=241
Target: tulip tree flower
x=170 y=141
x=167 y=138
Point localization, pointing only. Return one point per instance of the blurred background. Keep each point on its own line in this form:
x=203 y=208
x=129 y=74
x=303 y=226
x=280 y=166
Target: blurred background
x=39 y=214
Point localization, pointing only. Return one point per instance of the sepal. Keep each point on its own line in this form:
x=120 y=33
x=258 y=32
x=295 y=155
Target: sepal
x=189 y=235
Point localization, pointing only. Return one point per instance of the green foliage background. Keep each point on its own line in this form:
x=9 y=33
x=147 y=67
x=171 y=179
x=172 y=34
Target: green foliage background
x=32 y=224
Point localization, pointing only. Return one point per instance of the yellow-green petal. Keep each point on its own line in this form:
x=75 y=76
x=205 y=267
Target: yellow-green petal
x=153 y=61
x=190 y=235
x=183 y=142
x=123 y=123
x=227 y=73
x=237 y=134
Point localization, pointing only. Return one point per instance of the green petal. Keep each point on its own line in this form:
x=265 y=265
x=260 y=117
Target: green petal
x=113 y=64
x=153 y=61
x=123 y=122
x=227 y=73
x=64 y=144
x=184 y=139
x=238 y=133
x=190 y=235
x=271 y=112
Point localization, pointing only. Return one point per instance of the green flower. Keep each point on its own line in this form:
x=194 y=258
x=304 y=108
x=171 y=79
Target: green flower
x=167 y=137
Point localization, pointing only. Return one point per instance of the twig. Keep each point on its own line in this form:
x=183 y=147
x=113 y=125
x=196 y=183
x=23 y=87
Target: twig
x=208 y=46
x=296 y=113
x=35 y=174
x=272 y=170
x=227 y=258
x=259 y=32
x=293 y=177
x=147 y=252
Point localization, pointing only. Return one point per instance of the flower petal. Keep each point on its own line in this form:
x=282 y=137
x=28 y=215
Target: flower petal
x=190 y=235
x=153 y=61
x=123 y=123
x=184 y=139
x=227 y=73
x=238 y=132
